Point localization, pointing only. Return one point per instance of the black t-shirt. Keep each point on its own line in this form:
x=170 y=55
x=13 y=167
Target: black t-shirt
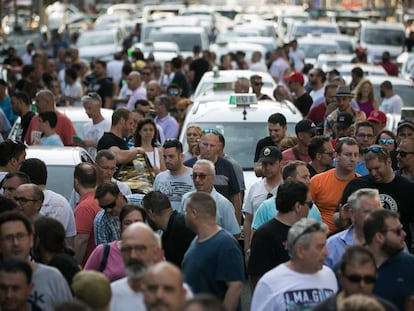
x=264 y=142
x=199 y=66
x=104 y=87
x=179 y=78
x=109 y=140
x=66 y=264
x=396 y=196
x=268 y=248
x=303 y=103
x=225 y=181
x=176 y=239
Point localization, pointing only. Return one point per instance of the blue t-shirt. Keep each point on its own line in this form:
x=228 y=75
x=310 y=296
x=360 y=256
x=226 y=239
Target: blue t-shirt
x=208 y=265
x=52 y=140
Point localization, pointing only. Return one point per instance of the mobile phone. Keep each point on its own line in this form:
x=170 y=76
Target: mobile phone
x=76 y=137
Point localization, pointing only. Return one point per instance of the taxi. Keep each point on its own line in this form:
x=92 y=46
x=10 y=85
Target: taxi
x=243 y=122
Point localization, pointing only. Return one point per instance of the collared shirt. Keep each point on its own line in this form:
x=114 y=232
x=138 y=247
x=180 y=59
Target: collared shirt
x=337 y=245
x=139 y=93
x=169 y=126
x=106 y=227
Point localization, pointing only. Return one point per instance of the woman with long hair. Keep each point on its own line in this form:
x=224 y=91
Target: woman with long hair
x=107 y=258
x=388 y=139
x=146 y=137
x=365 y=97
x=193 y=135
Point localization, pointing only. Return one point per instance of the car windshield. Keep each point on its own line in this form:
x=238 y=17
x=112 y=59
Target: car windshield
x=92 y=38
x=241 y=139
x=312 y=50
x=185 y=41
x=384 y=37
x=306 y=29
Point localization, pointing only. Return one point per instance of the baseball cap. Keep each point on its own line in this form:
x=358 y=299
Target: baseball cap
x=305 y=126
x=403 y=123
x=270 y=154
x=377 y=116
x=345 y=119
x=295 y=77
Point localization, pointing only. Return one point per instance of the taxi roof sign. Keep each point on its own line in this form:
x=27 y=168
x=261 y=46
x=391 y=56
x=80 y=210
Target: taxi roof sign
x=243 y=99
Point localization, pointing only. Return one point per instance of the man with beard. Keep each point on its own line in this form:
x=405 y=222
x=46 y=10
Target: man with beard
x=163 y=288
x=140 y=248
x=99 y=83
x=384 y=237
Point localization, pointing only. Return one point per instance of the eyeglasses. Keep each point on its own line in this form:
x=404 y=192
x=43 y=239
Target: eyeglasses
x=361 y=135
x=398 y=231
x=211 y=131
x=18 y=237
x=403 y=154
x=173 y=93
x=385 y=141
x=354 y=278
x=108 y=206
x=201 y=176
x=24 y=200
x=312 y=228
x=257 y=83
x=308 y=203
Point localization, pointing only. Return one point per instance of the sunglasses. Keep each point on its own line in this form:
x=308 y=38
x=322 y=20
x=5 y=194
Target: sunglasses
x=201 y=176
x=403 y=154
x=211 y=131
x=368 y=279
x=173 y=93
x=385 y=141
x=257 y=83
x=374 y=149
x=108 y=206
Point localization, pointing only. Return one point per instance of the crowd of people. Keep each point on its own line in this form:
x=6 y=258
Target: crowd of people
x=150 y=226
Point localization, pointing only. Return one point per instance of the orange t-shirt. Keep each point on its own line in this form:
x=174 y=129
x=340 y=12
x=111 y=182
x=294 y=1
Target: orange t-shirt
x=326 y=192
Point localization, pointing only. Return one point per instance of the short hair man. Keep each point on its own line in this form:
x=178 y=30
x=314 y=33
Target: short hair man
x=378 y=119
x=327 y=198
x=365 y=137
x=176 y=180
x=357 y=275
x=138 y=90
x=47 y=125
x=384 y=237
x=106 y=225
x=317 y=111
x=153 y=90
x=223 y=277
x=303 y=101
x=140 y=248
x=322 y=153
x=54 y=204
x=176 y=237
x=277 y=128
x=21 y=106
x=16 y=285
x=281 y=93
x=305 y=130
x=168 y=123
x=29 y=198
x=85 y=184
x=242 y=85
x=405 y=129
x=295 y=171
x=203 y=178
x=316 y=80
x=12 y=153
x=256 y=82
x=392 y=102
x=100 y=83
x=360 y=204
x=263 y=189
x=293 y=203
x=225 y=181
x=16 y=240
x=45 y=101
x=286 y=285
x=405 y=158
x=122 y=126
x=395 y=191
x=94 y=129
x=163 y=287
x=11 y=181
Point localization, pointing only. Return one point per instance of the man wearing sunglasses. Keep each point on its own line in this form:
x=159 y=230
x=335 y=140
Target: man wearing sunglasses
x=405 y=158
x=384 y=237
x=395 y=191
x=357 y=275
x=256 y=82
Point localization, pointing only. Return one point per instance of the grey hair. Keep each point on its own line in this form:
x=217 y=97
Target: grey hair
x=297 y=236
x=354 y=198
x=207 y=163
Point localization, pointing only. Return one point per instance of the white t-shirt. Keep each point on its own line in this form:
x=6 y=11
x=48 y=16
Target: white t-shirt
x=258 y=67
x=316 y=95
x=57 y=207
x=392 y=104
x=94 y=132
x=298 y=58
x=283 y=289
x=74 y=91
x=256 y=195
x=279 y=69
x=124 y=298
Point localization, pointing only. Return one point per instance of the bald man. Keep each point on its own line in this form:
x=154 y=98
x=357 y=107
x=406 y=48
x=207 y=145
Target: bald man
x=44 y=102
x=138 y=90
x=163 y=288
x=29 y=198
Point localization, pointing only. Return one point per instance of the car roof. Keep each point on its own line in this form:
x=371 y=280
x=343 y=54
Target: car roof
x=78 y=113
x=64 y=156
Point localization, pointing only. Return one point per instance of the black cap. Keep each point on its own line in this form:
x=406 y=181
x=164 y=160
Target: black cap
x=305 y=126
x=345 y=119
x=270 y=154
